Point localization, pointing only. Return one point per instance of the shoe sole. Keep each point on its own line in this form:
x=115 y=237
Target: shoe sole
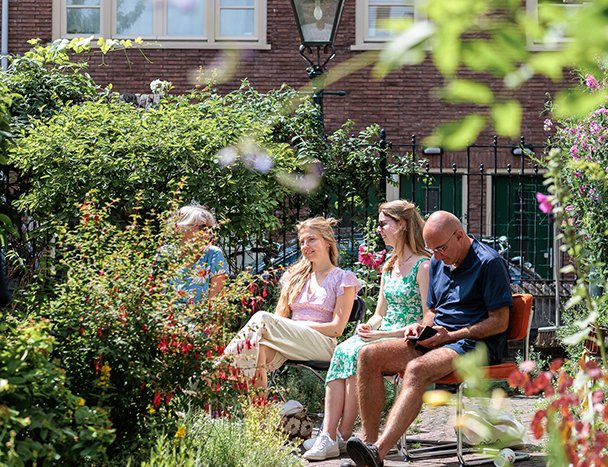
x=322 y=458
x=360 y=455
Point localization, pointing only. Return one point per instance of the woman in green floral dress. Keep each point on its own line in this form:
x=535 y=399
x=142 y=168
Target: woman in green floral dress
x=404 y=281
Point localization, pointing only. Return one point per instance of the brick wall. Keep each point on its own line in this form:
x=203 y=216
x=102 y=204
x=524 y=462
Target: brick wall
x=403 y=103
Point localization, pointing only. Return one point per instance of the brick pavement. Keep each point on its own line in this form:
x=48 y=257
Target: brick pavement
x=437 y=423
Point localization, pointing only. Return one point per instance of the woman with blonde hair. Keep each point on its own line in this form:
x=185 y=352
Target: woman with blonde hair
x=404 y=282
x=313 y=309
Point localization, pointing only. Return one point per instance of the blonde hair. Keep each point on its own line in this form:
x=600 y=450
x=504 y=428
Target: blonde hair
x=412 y=232
x=195 y=216
x=298 y=274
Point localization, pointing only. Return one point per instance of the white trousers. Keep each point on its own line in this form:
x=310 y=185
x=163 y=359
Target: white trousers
x=291 y=339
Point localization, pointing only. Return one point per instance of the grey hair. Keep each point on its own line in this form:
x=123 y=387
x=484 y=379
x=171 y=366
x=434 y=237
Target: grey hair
x=195 y=216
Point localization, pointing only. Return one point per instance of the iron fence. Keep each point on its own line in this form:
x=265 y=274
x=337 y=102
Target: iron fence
x=490 y=187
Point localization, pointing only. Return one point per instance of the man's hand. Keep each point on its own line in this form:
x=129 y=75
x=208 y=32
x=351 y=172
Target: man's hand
x=442 y=337
x=413 y=330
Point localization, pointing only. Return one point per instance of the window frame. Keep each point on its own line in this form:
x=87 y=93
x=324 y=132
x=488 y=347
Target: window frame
x=211 y=40
x=362 y=39
x=532 y=12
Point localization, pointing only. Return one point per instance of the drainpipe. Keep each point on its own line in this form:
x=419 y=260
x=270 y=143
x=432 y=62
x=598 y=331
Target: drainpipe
x=4 y=39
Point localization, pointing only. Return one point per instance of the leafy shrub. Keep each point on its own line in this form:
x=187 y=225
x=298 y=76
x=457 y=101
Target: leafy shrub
x=230 y=148
x=42 y=420
x=129 y=342
x=203 y=440
x=41 y=90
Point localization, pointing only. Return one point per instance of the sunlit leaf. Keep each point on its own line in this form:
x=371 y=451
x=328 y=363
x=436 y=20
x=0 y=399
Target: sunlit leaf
x=507 y=118
x=446 y=49
x=401 y=50
x=583 y=324
x=480 y=55
x=573 y=301
x=468 y=91
x=576 y=102
x=457 y=135
x=576 y=338
x=567 y=269
x=548 y=64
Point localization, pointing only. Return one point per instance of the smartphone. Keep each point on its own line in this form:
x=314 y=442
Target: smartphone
x=427 y=332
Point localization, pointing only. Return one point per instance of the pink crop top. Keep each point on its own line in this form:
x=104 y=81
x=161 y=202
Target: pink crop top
x=319 y=305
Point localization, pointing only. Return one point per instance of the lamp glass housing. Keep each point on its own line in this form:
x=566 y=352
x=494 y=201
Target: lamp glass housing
x=317 y=20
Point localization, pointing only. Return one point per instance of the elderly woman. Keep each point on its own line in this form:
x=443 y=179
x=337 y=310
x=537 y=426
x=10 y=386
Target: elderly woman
x=313 y=309
x=207 y=274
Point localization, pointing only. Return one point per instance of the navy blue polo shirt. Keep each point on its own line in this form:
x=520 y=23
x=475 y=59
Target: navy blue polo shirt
x=462 y=296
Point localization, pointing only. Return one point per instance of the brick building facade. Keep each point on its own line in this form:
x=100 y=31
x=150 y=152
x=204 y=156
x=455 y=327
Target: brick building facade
x=404 y=103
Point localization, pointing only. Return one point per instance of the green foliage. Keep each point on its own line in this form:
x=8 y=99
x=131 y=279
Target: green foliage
x=229 y=147
x=125 y=336
x=42 y=421
x=494 y=37
x=578 y=181
x=204 y=441
x=300 y=384
x=41 y=90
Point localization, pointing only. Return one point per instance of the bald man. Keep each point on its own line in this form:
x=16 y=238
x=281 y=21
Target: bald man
x=468 y=301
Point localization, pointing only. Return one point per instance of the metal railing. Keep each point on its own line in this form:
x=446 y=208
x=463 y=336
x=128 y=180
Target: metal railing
x=490 y=187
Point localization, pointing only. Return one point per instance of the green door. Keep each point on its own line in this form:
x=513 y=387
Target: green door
x=516 y=216
x=443 y=192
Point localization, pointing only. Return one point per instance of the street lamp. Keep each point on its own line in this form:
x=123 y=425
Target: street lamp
x=318 y=22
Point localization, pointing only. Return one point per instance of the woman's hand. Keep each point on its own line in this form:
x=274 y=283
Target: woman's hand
x=363 y=327
x=368 y=334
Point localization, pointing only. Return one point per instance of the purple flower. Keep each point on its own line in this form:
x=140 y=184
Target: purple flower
x=574 y=151
x=547 y=124
x=544 y=202
x=592 y=82
x=594 y=127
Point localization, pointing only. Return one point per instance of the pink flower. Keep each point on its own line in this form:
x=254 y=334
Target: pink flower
x=547 y=124
x=592 y=82
x=527 y=366
x=371 y=260
x=544 y=202
x=574 y=151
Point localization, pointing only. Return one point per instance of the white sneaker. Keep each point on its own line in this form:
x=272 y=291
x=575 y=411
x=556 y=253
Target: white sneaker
x=324 y=448
x=310 y=442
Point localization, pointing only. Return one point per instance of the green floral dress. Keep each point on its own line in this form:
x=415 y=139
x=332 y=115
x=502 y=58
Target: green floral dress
x=404 y=307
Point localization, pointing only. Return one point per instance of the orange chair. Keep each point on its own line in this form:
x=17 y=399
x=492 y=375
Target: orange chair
x=520 y=320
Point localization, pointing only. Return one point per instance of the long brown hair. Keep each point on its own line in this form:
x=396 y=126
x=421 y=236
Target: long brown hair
x=298 y=274
x=398 y=210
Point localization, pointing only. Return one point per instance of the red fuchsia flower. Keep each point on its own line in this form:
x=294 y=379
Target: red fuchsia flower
x=162 y=345
x=592 y=82
x=544 y=202
x=157 y=399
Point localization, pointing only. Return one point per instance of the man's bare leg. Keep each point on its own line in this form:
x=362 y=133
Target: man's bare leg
x=419 y=374
x=375 y=361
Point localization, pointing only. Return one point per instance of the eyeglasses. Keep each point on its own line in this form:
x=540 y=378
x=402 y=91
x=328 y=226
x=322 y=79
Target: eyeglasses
x=442 y=248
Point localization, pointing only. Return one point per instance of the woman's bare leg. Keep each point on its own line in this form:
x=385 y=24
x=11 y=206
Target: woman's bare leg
x=334 y=404
x=265 y=355
x=351 y=407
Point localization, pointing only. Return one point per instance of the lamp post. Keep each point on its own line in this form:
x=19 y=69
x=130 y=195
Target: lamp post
x=318 y=22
